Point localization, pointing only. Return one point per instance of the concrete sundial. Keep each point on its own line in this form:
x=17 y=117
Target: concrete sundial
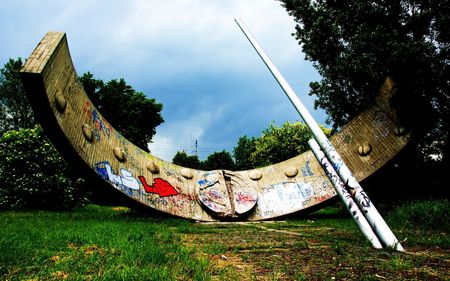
x=86 y=139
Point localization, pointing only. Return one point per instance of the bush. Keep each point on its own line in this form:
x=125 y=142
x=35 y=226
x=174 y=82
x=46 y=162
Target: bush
x=33 y=175
x=427 y=215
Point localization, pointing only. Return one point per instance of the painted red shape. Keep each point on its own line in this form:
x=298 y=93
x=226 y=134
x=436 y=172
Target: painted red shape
x=245 y=198
x=160 y=187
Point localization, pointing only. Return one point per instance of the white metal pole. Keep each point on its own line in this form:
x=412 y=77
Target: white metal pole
x=345 y=196
x=373 y=216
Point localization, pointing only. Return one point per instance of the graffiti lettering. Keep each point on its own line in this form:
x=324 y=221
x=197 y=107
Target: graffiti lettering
x=347 y=138
x=210 y=179
x=244 y=198
x=364 y=200
x=306 y=171
x=160 y=187
x=172 y=173
x=375 y=163
x=125 y=180
x=380 y=122
x=99 y=125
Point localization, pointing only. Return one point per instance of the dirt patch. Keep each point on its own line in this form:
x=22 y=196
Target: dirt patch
x=249 y=251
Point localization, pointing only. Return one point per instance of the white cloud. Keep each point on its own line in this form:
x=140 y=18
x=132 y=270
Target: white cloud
x=188 y=54
x=181 y=135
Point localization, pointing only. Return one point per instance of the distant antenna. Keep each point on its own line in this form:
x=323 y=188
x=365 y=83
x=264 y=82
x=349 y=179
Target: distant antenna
x=196 y=148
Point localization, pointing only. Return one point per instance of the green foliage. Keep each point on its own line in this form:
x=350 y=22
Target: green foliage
x=131 y=113
x=277 y=144
x=243 y=151
x=219 y=160
x=190 y=161
x=356 y=44
x=33 y=175
x=216 y=161
x=15 y=110
x=425 y=215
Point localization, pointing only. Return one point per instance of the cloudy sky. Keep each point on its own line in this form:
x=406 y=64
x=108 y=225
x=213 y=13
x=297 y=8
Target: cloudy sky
x=187 y=54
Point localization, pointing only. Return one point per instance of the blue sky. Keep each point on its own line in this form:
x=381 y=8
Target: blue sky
x=187 y=54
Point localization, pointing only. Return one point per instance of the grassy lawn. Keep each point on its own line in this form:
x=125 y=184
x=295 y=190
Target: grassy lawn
x=105 y=243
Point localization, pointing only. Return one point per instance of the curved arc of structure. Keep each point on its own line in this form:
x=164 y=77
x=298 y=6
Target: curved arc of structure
x=81 y=133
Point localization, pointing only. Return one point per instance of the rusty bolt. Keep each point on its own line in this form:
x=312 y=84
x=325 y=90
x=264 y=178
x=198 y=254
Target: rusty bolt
x=60 y=102
x=153 y=167
x=291 y=172
x=187 y=173
x=88 y=132
x=364 y=149
x=399 y=130
x=120 y=154
x=255 y=175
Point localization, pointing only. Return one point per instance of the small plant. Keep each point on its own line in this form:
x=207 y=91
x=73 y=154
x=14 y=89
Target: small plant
x=300 y=245
x=338 y=248
x=400 y=263
x=298 y=275
x=215 y=249
x=426 y=215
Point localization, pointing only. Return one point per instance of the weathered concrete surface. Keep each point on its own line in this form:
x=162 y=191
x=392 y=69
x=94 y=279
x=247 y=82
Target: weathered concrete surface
x=84 y=137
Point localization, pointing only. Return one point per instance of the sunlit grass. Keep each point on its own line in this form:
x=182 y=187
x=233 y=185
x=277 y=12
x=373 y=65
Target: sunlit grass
x=94 y=243
x=105 y=243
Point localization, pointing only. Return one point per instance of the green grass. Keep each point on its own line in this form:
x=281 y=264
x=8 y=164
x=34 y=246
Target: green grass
x=423 y=222
x=104 y=243
x=94 y=242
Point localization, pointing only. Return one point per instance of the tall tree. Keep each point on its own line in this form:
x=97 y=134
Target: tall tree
x=355 y=44
x=130 y=112
x=277 y=144
x=242 y=153
x=190 y=161
x=15 y=109
x=219 y=160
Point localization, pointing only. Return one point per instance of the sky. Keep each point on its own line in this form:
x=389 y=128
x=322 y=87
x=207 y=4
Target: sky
x=189 y=55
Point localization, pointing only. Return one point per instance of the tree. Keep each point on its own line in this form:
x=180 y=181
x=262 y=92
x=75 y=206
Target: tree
x=189 y=161
x=219 y=160
x=15 y=109
x=131 y=113
x=243 y=151
x=355 y=44
x=277 y=144
x=33 y=175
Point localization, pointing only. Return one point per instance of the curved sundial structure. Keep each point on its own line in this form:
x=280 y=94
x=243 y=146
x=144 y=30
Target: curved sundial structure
x=84 y=137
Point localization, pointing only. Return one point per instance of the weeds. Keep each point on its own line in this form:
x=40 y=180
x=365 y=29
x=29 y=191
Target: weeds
x=424 y=215
x=102 y=243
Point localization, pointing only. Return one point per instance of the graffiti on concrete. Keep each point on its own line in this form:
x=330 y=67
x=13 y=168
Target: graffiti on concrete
x=123 y=180
x=100 y=126
x=284 y=197
x=245 y=198
x=170 y=171
x=210 y=179
x=161 y=187
x=212 y=194
x=306 y=170
x=380 y=123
